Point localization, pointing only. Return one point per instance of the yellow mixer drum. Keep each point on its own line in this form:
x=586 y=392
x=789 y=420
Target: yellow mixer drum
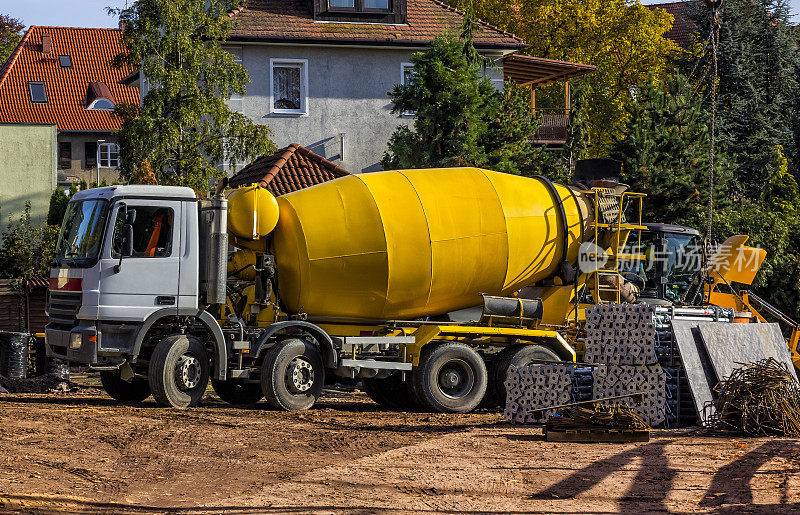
x=414 y=243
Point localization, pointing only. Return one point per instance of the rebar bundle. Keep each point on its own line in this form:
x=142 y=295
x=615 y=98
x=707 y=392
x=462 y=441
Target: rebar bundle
x=761 y=398
x=615 y=416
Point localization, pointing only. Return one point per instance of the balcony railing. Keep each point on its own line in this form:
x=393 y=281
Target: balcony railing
x=555 y=126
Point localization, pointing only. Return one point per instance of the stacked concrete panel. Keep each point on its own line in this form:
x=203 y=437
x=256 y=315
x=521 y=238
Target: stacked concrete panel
x=623 y=338
x=537 y=386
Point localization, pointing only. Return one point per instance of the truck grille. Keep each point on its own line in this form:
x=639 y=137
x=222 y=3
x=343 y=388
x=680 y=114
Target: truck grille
x=63 y=307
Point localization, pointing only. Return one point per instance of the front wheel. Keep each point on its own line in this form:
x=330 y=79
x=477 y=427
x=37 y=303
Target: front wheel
x=451 y=378
x=292 y=375
x=134 y=390
x=179 y=371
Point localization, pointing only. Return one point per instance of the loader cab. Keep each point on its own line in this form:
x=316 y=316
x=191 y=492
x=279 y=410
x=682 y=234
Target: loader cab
x=674 y=255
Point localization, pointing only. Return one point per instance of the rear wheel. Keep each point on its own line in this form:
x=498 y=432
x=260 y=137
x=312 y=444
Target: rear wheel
x=390 y=392
x=451 y=378
x=292 y=375
x=517 y=356
x=179 y=371
x=134 y=390
x=237 y=392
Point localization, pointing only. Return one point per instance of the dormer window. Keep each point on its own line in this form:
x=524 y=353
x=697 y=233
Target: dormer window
x=101 y=104
x=390 y=12
x=99 y=97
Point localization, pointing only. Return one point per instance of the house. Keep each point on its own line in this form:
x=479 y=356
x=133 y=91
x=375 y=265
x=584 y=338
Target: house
x=63 y=76
x=321 y=70
x=683 y=28
x=289 y=169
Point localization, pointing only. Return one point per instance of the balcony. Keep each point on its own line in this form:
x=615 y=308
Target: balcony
x=537 y=72
x=554 y=127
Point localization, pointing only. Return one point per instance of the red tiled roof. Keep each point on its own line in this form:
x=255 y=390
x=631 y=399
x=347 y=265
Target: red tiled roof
x=289 y=169
x=292 y=20
x=91 y=52
x=682 y=28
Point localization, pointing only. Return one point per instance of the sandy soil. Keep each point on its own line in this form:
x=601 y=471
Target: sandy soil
x=82 y=453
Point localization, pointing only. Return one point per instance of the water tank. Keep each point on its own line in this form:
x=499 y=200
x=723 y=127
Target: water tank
x=414 y=243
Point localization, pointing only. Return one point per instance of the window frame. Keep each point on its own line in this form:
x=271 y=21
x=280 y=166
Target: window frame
x=118 y=222
x=358 y=7
x=111 y=146
x=61 y=146
x=61 y=61
x=87 y=156
x=282 y=62
x=403 y=67
x=44 y=91
x=93 y=105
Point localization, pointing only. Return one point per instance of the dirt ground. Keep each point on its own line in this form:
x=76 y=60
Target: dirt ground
x=82 y=453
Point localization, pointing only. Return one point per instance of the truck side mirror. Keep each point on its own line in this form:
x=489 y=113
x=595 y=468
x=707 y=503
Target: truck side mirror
x=127 y=241
x=130 y=215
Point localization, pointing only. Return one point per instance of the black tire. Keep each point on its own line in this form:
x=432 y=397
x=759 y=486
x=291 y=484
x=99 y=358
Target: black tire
x=518 y=356
x=292 y=375
x=135 y=390
x=237 y=392
x=179 y=371
x=451 y=378
x=391 y=392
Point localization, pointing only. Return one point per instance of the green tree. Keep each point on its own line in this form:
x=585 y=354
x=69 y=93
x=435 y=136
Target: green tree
x=461 y=119
x=757 y=91
x=10 y=35
x=58 y=206
x=27 y=249
x=664 y=148
x=184 y=127
x=623 y=38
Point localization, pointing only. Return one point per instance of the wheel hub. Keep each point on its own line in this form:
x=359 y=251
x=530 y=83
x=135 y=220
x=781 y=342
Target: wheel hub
x=188 y=372
x=456 y=379
x=299 y=375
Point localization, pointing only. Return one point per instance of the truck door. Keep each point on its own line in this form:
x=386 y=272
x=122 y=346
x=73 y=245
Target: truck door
x=148 y=280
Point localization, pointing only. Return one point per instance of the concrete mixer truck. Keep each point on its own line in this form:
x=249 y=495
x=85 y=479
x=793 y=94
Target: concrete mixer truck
x=424 y=285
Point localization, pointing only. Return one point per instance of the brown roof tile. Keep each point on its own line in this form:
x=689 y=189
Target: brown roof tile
x=91 y=52
x=292 y=20
x=289 y=169
x=682 y=28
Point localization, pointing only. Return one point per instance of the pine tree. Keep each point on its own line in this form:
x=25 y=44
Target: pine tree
x=664 y=148
x=758 y=89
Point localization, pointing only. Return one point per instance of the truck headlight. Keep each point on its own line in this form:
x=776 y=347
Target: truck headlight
x=75 y=340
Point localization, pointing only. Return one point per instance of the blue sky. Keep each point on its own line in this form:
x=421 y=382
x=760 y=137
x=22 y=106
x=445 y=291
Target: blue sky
x=91 y=13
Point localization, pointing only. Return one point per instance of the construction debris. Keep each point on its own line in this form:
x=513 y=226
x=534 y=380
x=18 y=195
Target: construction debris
x=47 y=383
x=613 y=423
x=758 y=399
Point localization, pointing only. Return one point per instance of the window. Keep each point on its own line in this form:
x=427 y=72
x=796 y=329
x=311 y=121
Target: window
x=65 y=155
x=65 y=61
x=38 y=92
x=101 y=104
x=90 y=154
x=289 y=86
x=109 y=155
x=359 y=5
x=377 y=5
x=152 y=232
x=406 y=73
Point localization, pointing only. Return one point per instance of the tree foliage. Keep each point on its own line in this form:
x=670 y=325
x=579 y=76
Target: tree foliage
x=184 y=128
x=757 y=90
x=664 y=148
x=460 y=118
x=27 y=249
x=10 y=35
x=623 y=38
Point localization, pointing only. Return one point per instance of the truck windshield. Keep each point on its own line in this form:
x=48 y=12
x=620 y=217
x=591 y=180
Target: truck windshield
x=81 y=234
